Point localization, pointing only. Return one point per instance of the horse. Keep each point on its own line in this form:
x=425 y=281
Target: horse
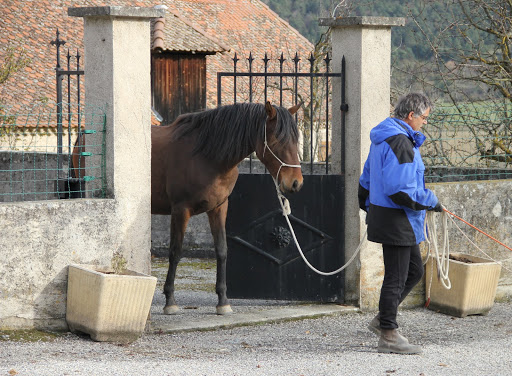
x=194 y=168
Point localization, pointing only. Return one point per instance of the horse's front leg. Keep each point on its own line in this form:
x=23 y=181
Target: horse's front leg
x=179 y=222
x=217 y=218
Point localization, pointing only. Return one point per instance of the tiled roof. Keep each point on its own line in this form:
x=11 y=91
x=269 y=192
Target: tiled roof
x=182 y=35
x=242 y=26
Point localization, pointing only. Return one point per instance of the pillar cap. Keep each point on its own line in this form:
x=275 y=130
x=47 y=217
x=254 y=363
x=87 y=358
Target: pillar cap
x=362 y=21
x=116 y=11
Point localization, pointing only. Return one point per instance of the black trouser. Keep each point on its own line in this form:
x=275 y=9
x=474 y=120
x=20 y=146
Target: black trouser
x=403 y=269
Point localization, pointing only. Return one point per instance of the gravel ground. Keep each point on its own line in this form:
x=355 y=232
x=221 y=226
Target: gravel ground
x=339 y=345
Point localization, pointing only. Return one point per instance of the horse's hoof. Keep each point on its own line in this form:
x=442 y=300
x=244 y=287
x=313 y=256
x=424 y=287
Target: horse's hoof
x=171 y=310
x=224 y=310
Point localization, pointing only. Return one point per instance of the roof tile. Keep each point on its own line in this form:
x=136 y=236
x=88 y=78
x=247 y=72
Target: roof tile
x=242 y=26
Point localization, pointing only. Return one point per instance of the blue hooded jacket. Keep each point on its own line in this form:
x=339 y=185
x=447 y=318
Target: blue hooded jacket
x=392 y=186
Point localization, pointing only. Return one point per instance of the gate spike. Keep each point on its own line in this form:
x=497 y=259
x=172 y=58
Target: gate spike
x=311 y=61
x=327 y=60
x=250 y=59
x=282 y=59
x=57 y=42
x=296 y=59
x=266 y=60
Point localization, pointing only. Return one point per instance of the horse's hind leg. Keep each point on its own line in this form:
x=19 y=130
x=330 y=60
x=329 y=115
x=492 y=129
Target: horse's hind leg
x=178 y=226
x=217 y=218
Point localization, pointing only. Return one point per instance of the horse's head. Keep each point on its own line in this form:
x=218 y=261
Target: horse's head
x=279 y=149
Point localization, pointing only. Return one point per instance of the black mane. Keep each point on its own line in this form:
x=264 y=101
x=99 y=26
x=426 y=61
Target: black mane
x=230 y=133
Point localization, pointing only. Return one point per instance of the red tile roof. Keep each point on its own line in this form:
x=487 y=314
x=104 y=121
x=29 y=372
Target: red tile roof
x=242 y=25
x=179 y=34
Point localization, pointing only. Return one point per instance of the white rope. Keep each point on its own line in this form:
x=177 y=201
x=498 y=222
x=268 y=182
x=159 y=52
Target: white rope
x=441 y=257
x=285 y=206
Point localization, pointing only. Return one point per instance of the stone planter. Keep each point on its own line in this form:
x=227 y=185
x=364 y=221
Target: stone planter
x=474 y=281
x=108 y=306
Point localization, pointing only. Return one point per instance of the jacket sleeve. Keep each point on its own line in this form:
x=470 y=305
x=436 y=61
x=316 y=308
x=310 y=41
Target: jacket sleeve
x=363 y=192
x=403 y=179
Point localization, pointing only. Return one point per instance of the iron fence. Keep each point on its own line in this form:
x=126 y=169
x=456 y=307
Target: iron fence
x=73 y=93
x=291 y=83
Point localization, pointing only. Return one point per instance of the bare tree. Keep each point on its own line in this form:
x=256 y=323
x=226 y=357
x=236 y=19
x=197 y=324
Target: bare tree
x=12 y=61
x=471 y=69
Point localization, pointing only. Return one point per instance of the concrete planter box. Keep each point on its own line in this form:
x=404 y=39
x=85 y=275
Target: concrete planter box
x=474 y=281
x=108 y=306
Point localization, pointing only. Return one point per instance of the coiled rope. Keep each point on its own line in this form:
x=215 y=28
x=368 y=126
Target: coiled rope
x=442 y=257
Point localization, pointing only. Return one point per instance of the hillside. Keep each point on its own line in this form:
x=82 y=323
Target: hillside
x=408 y=41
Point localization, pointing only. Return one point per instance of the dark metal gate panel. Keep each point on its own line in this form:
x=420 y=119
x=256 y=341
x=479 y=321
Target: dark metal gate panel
x=263 y=260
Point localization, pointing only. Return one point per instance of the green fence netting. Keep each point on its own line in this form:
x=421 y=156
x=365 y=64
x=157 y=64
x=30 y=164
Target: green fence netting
x=470 y=142
x=37 y=149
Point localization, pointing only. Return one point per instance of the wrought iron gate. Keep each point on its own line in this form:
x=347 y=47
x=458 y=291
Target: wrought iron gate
x=263 y=260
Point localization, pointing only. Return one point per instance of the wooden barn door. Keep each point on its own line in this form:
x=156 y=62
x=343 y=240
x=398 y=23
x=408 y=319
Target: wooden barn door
x=178 y=84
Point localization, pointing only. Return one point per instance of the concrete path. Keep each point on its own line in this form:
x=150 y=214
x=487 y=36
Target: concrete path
x=255 y=315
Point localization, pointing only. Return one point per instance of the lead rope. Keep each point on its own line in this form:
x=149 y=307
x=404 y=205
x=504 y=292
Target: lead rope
x=441 y=258
x=285 y=206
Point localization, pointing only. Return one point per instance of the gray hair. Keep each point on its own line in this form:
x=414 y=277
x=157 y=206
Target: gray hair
x=415 y=102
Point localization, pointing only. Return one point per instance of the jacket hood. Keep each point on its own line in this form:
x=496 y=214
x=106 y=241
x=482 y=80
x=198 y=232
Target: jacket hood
x=393 y=126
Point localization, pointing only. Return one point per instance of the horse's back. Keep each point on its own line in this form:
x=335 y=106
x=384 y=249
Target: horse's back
x=183 y=179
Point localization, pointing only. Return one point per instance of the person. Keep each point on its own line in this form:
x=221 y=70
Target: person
x=393 y=194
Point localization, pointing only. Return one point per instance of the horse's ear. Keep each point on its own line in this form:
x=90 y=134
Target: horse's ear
x=295 y=108
x=271 y=111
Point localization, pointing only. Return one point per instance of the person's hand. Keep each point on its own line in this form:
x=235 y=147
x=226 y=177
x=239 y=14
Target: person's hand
x=438 y=208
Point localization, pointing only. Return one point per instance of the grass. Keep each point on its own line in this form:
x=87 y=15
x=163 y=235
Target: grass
x=32 y=335
x=191 y=274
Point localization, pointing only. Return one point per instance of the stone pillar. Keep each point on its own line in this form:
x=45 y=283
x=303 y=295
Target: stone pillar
x=366 y=44
x=117 y=65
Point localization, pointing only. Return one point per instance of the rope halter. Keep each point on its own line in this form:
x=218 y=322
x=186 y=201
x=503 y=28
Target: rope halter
x=283 y=201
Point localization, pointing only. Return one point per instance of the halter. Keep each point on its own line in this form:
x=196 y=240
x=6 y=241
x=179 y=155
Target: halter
x=285 y=205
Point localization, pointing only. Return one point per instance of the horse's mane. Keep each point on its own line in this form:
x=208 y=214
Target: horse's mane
x=229 y=133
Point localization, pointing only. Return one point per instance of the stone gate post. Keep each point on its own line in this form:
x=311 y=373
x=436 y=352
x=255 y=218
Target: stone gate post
x=117 y=77
x=366 y=44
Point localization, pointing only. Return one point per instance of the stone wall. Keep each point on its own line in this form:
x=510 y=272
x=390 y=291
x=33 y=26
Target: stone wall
x=41 y=238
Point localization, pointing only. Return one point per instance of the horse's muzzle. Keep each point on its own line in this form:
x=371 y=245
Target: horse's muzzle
x=294 y=187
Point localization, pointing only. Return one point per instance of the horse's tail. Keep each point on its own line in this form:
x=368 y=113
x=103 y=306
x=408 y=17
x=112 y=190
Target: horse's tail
x=77 y=169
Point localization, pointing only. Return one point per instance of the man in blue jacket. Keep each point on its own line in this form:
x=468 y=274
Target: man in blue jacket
x=392 y=192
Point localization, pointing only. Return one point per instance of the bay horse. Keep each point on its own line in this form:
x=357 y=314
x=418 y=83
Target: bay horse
x=194 y=167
